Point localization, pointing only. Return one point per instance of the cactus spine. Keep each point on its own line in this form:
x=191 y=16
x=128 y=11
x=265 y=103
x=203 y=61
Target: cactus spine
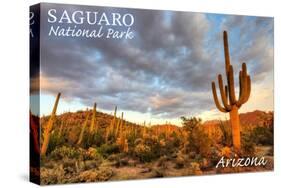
x=229 y=101
x=49 y=127
x=93 y=127
x=83 y=129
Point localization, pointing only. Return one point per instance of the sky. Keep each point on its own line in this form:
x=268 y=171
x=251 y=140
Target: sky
x=164 y=73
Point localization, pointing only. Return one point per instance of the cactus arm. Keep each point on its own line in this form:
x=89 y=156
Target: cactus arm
x=226 y=92
x=243 y=80
x=226 y=52
x=247 y=92
x=216 y=98
x=231 y=88
x=249 y=88
x=223 y=94
x=240 y=84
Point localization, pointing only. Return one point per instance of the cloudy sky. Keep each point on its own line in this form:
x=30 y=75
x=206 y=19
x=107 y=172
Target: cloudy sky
x=164 y=72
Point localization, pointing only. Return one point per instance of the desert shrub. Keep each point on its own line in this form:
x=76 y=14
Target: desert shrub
x=159 y=173
x=72 y=135
x=248 y=145
x=262 y=135
x=107 y=149
x=158 y=147
x=168 y=146
x=180 y=161
x=162 y=162
x=93 y=140
x=52 y=176
x=95 y=175
x=120 y=160
x=143 y=152
x=148 y=148
x=65 y=152
x=226 y=133
x=91 y=154
x=226 y=152
x=215 y=155
x=190 y=123
x=55 y=141
x=195 y=169
x=176 y=141
x=138 y=141
x=199 y=142
x=114 y=157
x=205 y=164
x=88 y=176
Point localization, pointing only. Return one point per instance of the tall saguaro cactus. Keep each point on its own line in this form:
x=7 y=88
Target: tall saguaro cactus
x=49 y=127
x=81 y=136
x=93 y=126
x=113 y=122
x=229 y=101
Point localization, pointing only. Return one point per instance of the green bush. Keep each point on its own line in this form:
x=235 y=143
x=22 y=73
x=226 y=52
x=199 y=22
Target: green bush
x=93 y=140
x=199 y=142
x=226 y=133
x=55 y=141
x=91 y=154
x=248 y=145
x=143 y=152
x=262 y=135
x=65 y=152
x=107 y=149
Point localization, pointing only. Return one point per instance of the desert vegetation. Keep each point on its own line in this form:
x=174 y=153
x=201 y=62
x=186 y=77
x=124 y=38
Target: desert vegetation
x=90 y=145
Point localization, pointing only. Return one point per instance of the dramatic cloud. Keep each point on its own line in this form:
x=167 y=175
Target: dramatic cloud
x=166 y=70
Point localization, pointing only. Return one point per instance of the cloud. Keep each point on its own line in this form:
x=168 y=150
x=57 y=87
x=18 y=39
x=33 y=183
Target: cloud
x=254 y=45
x=165 y=71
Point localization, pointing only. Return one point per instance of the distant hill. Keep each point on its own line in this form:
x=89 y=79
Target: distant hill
x=248 y=120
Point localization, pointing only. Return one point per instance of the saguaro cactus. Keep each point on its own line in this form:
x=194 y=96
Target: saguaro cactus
x=229 y=101
x=93 y=127
x=81 y=136
x=49 y=127
x=113 y=122
x=119 y=126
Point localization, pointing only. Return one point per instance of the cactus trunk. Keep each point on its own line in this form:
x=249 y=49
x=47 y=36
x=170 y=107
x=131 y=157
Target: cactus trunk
x=81 y=136
x=93 y=127
x=49 y=127
x=113 y=122
x=235 y=126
